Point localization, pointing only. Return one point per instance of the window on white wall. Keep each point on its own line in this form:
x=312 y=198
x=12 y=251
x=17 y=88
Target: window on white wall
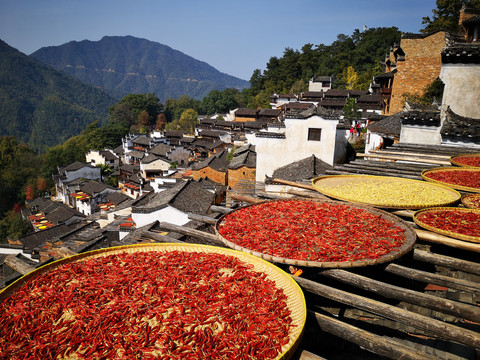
x=314 y=134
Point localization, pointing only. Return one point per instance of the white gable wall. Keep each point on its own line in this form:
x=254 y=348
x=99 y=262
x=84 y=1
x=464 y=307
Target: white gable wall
x=273 y=153
x=167 y=214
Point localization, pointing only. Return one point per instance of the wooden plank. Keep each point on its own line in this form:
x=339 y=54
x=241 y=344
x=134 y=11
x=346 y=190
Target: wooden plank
x=447 y=261
x=406 y=158
x=18 y=265
x=389 y=291
x=427 y=277
x=246 y=198
x=383 y=346
x=432 y=326
x=429 y=236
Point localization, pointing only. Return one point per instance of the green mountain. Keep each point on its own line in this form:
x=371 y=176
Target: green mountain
x=124 y=65
x=42 y=106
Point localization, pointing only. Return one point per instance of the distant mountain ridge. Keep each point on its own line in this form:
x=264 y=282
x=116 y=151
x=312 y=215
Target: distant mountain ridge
x=124 y=65
x=42 y=106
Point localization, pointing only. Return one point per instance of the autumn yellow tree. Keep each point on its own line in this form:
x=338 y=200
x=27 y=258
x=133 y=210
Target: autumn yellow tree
x=350 y=77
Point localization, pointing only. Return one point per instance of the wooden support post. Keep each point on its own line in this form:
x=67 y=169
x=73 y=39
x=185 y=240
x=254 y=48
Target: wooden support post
x=427 y=277
x=447 y=261
x=432 y=326
x=18 y=265
x=428 y=301
x=377 y=344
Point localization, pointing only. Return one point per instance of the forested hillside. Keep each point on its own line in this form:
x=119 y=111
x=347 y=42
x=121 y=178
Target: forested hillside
x=123 y=65
x=44 y=107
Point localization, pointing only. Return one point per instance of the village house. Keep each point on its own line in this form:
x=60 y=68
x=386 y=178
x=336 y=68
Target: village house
x=243 y=166
x=213 y=168
x=152 y=165
x=54 y=212
x=277 y=100
x=70 y=178
x=314 y=131
x=103 y=157
x=87 y=199
x=173 y=205
x=320 y=83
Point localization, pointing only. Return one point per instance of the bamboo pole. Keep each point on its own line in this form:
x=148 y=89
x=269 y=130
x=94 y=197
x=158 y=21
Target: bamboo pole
x=406 y=158
x=435 y=327
x=445 y=240
x=458 y=309
x=427 y=277
x=447 y=261
x=372 y=342
x=445 y=157
x=292 y=183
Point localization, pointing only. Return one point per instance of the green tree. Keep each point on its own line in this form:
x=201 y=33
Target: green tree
x=351 y=110
x=188 y=120
x=446 y=15
x=12 y=226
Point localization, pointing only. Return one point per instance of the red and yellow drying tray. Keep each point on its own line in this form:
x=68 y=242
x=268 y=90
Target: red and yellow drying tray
x=149 y=301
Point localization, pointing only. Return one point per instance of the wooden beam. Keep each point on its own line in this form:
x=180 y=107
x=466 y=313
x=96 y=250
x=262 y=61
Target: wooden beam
x=421 y=155
x=248 y=199
x=389 y=291
x=220 y=209
x=18 y=265
x=447 y=261
x=307 y=355
x=160 y=238
x=191 y=232
x=427 y=277
x=204 y=219
x=372 y=342
x=432 y=326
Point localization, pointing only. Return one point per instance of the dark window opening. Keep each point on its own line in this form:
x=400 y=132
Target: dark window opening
x=314 y=134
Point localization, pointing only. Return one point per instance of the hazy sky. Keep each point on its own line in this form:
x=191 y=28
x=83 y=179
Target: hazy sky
x=235 y=37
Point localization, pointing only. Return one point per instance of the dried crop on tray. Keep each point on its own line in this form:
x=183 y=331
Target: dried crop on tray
x=456 y=222
x=471 y=201
x=169 y=305
x=463 y=178
x=312 y=231
x=471 y=160
x=386 y=191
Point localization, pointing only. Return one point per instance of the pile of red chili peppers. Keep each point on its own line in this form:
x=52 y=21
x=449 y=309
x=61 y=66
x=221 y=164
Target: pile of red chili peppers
x=460 y=177
x=455 y=221
x=312 y=231
x=468 y=160
x=147 y=305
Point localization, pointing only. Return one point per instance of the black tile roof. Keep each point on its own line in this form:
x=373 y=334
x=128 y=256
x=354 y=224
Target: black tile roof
x=457 y=127
x=388 y=127
x=307 y=168
x=461 y=54
x=421 y=118
x=93 y=187
x=246 y=112
x=247 y=159
x=217 y=162
x=143 y=140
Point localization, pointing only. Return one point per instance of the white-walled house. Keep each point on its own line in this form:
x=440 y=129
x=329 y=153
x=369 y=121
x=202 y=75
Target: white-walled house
x=68 y=178
x=90 y=195
x=152 y=165
x=313 y=132
x=103 y=157
x=174 y=205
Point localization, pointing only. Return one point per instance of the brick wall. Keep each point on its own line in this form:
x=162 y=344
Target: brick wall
x=421 y=66
x=243 y=173
x=216 y=176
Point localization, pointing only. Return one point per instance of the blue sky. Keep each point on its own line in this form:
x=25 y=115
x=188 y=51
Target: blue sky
x=235 y=37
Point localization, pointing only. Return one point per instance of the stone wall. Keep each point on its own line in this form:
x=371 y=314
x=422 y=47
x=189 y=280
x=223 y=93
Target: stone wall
x=216 y=176
x=420 y=68
x=242 y=173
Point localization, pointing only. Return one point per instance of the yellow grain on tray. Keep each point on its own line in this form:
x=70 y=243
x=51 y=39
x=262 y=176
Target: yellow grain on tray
x=385 y=191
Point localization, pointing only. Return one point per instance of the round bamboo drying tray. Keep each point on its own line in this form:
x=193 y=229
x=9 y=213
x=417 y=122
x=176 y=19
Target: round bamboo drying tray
x=474 y=172
x=455 y=160
x=409 y=241
x=471 y=201
x=386 y=192
x=295 y=300
x=475 y=239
